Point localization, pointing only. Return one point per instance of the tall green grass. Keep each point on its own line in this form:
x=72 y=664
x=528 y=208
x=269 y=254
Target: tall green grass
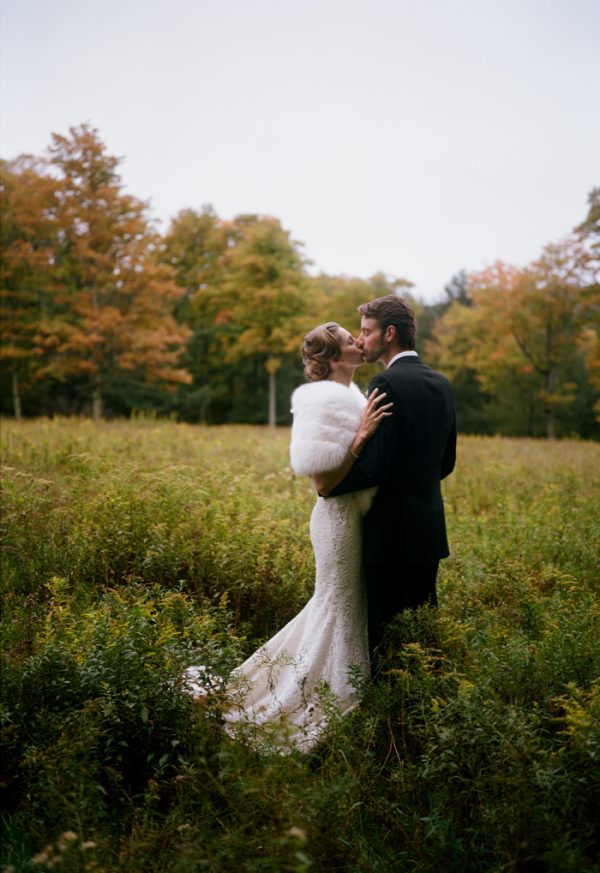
x=134 y=549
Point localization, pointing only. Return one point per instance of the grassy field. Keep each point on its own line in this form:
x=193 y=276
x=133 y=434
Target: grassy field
x=133 y=549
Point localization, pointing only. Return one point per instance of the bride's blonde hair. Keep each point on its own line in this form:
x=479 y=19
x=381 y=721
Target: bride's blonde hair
x=320 y=346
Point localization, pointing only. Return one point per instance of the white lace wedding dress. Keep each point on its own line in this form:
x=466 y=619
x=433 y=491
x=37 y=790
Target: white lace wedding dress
x=285 y=694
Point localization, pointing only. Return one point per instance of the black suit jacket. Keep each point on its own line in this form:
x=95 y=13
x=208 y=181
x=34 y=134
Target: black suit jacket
x=411 y=452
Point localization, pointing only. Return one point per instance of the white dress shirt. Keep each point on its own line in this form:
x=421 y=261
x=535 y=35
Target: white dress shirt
x=402 y=355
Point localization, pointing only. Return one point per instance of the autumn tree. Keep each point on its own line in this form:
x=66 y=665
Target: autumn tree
x=256 y=296
x=114 y=299
x=28 y=240
x=589 y=229
x=550 y=314
x=194 y=247
x=457 y=289
x=588 y=233
x=451 y=347
x=521 y=336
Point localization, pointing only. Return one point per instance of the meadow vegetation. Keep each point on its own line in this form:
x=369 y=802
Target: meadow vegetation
x=134 y=549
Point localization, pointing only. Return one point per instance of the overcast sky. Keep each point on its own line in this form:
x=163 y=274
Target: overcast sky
x=413 y=137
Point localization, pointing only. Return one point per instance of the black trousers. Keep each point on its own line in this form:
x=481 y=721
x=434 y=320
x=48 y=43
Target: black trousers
x=394 y=587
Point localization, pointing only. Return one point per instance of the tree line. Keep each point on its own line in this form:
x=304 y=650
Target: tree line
x=104 y=315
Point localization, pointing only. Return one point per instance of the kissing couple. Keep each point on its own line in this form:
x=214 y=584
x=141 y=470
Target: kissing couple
x=377 y=529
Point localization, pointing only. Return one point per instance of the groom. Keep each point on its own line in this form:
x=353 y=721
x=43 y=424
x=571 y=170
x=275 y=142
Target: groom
x=404 y=533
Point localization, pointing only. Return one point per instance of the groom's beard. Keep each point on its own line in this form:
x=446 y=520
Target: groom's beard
x=373 y=355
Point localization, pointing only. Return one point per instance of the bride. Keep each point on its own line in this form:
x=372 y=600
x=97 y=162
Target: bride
x=285 y=692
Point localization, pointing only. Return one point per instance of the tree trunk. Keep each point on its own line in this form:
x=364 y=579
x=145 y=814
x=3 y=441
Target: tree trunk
x=96 y=393
x=97 y=404
x=16 y=395
x=550 y=432
x=272 y=400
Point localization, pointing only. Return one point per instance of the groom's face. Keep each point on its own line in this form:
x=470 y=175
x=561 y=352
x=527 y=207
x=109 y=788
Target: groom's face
x=371 y=340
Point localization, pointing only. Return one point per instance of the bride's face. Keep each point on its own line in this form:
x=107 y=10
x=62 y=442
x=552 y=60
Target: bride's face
x=350 y=353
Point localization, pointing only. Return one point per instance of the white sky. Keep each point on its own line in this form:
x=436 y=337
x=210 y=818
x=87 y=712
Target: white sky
x=413 y=137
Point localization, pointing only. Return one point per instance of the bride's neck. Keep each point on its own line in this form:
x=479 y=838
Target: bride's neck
x=344 y=377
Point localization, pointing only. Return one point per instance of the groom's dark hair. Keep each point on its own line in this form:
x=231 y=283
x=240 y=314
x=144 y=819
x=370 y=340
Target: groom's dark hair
x=393 y=311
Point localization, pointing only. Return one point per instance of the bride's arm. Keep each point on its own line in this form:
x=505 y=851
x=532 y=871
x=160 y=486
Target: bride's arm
x=372 y=416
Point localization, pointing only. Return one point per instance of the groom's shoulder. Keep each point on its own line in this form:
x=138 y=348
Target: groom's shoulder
x=408 y=370
x=379 y=380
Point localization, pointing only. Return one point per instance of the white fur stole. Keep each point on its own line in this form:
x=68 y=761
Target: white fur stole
x=326 y=419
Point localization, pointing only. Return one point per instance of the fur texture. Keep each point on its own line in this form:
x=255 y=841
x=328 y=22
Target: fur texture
x=326 y=419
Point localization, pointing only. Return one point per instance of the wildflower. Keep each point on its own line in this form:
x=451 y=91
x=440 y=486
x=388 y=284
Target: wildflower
x=64 y=840
x=299 y=833
x=42 y=857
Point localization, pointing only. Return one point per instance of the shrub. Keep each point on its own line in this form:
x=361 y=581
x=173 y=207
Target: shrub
x=132 y=550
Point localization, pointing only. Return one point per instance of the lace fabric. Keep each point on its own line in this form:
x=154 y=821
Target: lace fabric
x=293 y=684
x=286 y=693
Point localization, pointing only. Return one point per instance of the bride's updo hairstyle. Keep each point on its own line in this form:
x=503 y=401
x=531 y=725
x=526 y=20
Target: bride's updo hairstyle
x=319 y=348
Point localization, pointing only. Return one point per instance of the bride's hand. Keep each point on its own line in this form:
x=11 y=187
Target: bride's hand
x=373 y=414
